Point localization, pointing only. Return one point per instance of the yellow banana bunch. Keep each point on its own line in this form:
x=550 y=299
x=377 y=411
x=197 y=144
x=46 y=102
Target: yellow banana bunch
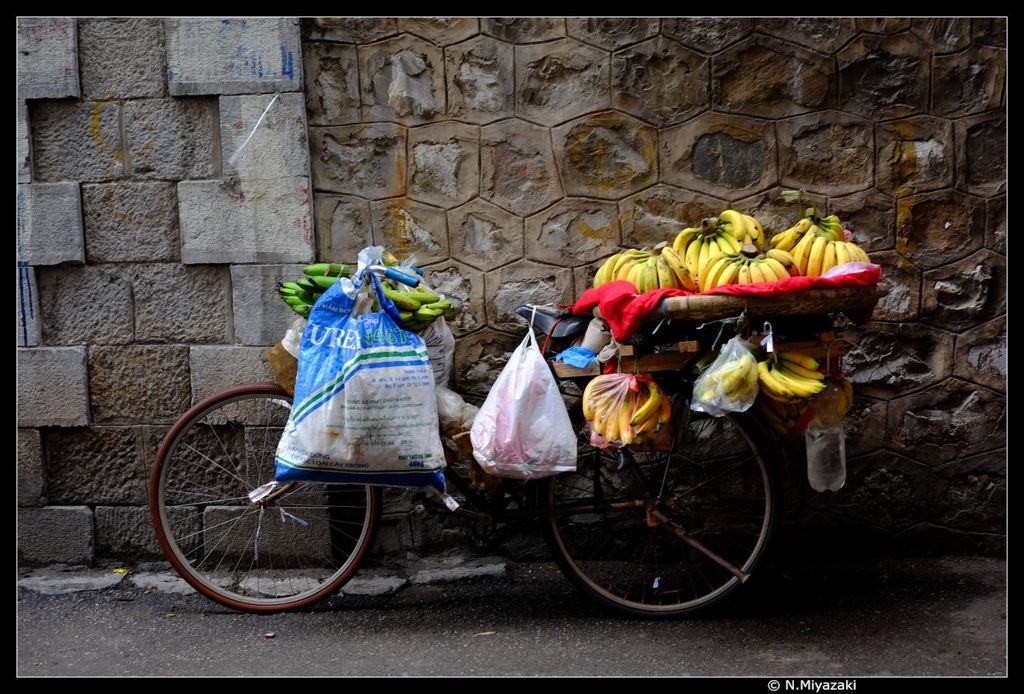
x=817 y=245
x=792 y=378
x=737 y=268
x=618 y=266
x=736 y=382
x=696 y=247
x=625 y=409
x=742 y=227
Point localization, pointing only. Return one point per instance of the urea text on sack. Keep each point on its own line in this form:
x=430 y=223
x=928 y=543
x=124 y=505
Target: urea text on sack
x=347 y=338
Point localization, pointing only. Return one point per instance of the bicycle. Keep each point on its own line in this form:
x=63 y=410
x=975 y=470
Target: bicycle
x=645 y=534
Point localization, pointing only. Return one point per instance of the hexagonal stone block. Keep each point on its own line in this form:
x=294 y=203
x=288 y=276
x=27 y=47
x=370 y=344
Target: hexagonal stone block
x=349 y=29
x=464 y=287
x=981 y=151
x=480 y=79
x=443 y=31
x=364 y=160
x=889 y=359
x=607 y=155
x=884 y=489
x=975 y=495
x=903 y=282
x=969 y=82
x=870 y=215
x=573 y=232
x=342 y=227
x=995 y=229
x=884 y=77
x=444 y=163
x=824 y=34
x=560 y=80
x=719 y=154
x=981 y=354
x=830 y=151
x=660 y=81
x=523 y=29
x=963 y=294
x=883 y=25
x=936 y=228
x=770 y=78
x=332 y=83
x=949 y=420
x=485 y=236
x=408 y=228
x=517 y=166
x=480 y=357
x=611 y=32
x=661 y=212
x=991 y=31
x=524 y=282
x=706 y=34
x=864 y=425
x=946 y=33
x=402 y=80
x=915 y=155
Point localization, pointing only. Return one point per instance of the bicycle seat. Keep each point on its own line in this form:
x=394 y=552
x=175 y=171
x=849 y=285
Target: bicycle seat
x=564 y=323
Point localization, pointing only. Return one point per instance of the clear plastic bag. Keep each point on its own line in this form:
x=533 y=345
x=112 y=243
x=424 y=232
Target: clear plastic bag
x=523 y=429
x=730 y=384
x=625 y=409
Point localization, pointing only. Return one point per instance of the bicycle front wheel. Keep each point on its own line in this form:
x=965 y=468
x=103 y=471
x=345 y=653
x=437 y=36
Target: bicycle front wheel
x=668 y=534
x=234 y=535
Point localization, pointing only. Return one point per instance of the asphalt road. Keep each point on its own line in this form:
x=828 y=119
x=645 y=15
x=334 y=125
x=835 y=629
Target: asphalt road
x=907 y=617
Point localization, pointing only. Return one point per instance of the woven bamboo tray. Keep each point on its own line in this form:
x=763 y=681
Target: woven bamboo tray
x=856 y=302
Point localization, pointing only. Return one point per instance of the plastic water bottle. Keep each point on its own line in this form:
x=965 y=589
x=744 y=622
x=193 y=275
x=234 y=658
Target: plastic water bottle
x=826 y=456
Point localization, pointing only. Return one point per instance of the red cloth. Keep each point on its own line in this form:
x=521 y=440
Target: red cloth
x=624 y=309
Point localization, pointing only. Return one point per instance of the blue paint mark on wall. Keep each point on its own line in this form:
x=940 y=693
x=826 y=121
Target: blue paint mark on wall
x=170 y=74
x=287 y=63
x=25 y=299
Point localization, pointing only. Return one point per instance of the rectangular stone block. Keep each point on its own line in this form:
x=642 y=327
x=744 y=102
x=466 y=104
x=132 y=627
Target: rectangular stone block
x=56 y=534
x=49 y=222
x=47 y=58
x=233 y=56
x=178 y=303
x=76 y=140
x=171 y=139
x=248 y=222
x=126 y=532
x=279 y=149
x=121 y=58
x=215 y=368
x=261 y=318
x=52 y=387
x=24 y=144
x=145 y=384
x=31 y=482
x=86 y=305
x=98 y=465
x=131 y=221
x=27 y=308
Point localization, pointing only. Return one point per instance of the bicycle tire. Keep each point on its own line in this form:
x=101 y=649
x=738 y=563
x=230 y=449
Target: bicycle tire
x=317 y=534
x=612 y=555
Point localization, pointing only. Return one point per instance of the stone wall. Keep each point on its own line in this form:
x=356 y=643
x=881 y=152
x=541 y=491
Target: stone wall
x=509 y=156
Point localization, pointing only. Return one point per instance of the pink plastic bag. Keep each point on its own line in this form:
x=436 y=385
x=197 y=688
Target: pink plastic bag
x=523 y=429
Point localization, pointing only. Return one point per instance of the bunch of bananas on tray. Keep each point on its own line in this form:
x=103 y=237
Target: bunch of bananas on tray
x=742 y=268
x=646 y=269
x=625 y=408
x=818 y=244
x=417 y=307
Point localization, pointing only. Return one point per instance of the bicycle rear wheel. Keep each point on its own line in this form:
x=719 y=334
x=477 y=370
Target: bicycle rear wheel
x=670 y=534
x=292 y=546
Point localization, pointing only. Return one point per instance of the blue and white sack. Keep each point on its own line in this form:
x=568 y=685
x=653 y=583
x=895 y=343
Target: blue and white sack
x=365 y=410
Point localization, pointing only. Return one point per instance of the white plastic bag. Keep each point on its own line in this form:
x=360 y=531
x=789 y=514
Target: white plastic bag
x=523 y=429
x=730 y=384
x=441 y=349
